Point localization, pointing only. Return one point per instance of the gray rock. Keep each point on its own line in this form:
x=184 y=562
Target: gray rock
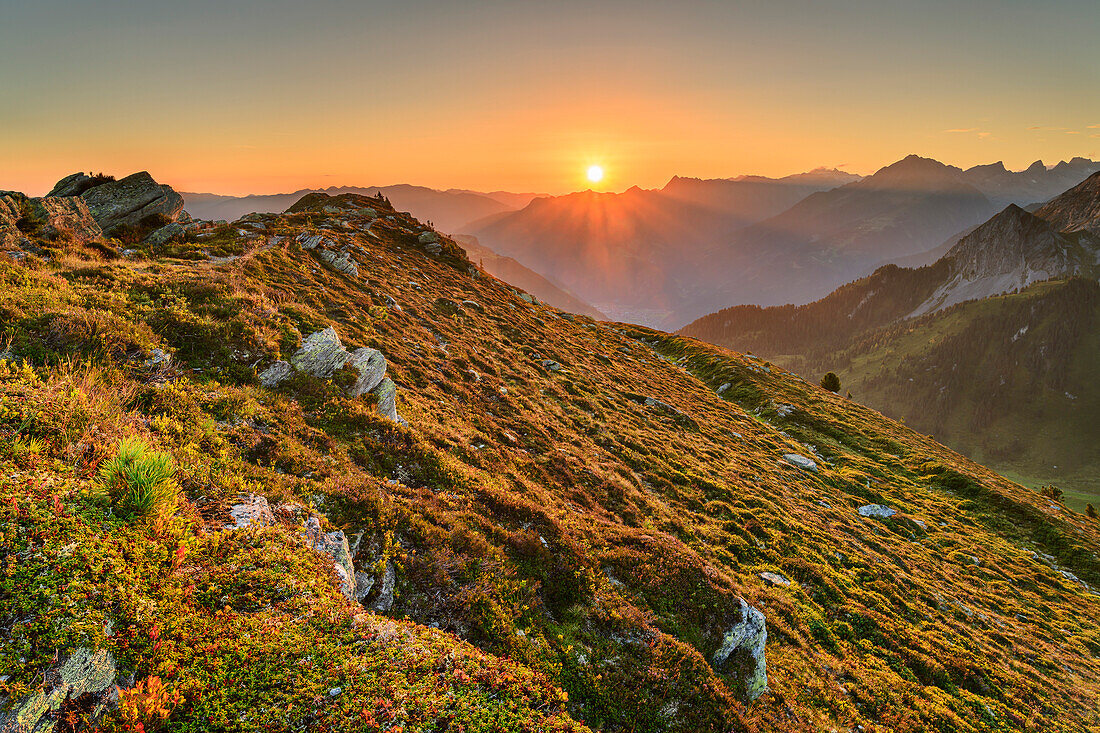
x=386 y=392
x=371 y=365
x=339 y=261
x=473 y=304
x=723 y=388
x=87 y=672
x=774 y=578
x=69 y=185
x=312 y=241
x=428 y=237
x=384 y=602
x=65 y=218
x=128 y=201
x=253 y=510
x=741 y=653
x=335 y=545
x=551 y=365
x=275 y=374
x=321 y=354
x=166 y=234
x=158 y=358
x=878 y=511
x=801 y=461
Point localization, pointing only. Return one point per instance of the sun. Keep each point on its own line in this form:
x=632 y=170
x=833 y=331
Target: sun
x=595 y=173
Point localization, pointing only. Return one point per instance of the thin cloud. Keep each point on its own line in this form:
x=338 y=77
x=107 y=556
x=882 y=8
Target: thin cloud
x=1047 y=127
x=962 y=129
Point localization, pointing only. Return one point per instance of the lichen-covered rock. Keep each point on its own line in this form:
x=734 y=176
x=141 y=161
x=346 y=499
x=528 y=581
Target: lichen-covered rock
x=70 y=185
x=428 y=237
x=802 y=462
x=335 y=545
x=339 y=261
x=741 y=654
x=321 y=354
x=878 y=511
x=253 y=510
x=86 y=672
x=371 y=365
x=386 y=392
x=65 y=218
x=275 y=374
x=132 y=200
x=165 y=234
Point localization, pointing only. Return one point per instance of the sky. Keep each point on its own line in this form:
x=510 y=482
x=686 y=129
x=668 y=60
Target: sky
x=251 y=96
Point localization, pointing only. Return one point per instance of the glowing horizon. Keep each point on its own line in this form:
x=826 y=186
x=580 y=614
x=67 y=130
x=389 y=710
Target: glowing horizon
x=274 y=97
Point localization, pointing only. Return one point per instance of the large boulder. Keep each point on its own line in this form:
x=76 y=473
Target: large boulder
x=741 y=654
x=132 y=201
x=65 y=218
x=321 y=354
x=371 y=366
x=73 y=185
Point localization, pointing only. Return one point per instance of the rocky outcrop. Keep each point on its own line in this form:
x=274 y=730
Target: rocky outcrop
x=132 y=202
x=53 y=219
x=335 y=545
x=802 y=462
x=88 y=674
x=741 y=654
x=322 y=355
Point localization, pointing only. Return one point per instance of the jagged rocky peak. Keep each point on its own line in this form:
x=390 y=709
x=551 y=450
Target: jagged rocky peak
x=1012 y=235
x=914 y=172
x=1078 y=209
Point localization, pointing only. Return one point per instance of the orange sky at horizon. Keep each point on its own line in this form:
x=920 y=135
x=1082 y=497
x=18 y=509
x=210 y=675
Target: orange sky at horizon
x=519 y=97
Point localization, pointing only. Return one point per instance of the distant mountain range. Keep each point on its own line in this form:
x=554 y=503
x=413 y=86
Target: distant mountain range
x=993 y=348
x=666 y=256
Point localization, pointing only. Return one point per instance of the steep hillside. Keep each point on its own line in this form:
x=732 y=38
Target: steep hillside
x=1008 y=380
x=316 y=471
x=950 y=374
x=448 y=210
x=511 y=271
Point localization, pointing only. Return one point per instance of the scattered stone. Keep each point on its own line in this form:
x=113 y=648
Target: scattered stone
x=774 y=578
x=741 y=653
x=550 y=365
x=253 y=510
x=428 y=237
x=339 y=261
x=165 y=234
x=473 y=304
x=384 y=602
x=158 y=358
x=723 y=388
x=386 y=392
x=275 y=374
x=879 y=511
x=801 y=461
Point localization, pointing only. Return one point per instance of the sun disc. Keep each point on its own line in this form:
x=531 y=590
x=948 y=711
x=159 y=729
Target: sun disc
x=595 y=173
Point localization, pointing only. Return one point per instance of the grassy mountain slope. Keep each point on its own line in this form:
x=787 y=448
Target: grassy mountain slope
x=570 y=517
x=1009 y=380
x=990 y=377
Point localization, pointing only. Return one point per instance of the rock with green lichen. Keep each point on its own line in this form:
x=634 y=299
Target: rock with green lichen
x=742 y=653
x=85 y=672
